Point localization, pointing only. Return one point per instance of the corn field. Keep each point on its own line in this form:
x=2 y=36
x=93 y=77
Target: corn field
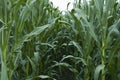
x=38 y=42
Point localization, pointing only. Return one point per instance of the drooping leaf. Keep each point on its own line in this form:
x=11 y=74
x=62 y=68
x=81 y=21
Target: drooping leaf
x=97 y=71
x=30 y=36
x=46 y=77
x=36 y=31
x=77 y=46
x=72 y=57
x=32 y=63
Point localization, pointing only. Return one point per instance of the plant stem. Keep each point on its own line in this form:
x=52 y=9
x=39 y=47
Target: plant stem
x=86 y=70
x=103 y=50
x=103 y=61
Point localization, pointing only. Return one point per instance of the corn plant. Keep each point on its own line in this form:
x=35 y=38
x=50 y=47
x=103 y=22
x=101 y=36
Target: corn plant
x=38 y=42
x=19 y=21
x=94 y=24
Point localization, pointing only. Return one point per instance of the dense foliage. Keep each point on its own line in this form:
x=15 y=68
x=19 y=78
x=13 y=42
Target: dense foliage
x=38 y=42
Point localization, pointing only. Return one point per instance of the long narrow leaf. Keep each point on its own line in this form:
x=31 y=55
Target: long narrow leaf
x=97 y=71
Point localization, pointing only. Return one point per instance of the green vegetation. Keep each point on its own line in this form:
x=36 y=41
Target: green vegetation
x=38 y=42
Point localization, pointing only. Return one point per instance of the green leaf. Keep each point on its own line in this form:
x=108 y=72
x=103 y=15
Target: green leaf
x=4 y=72
x=77 y=46
x=30 y=36
x=67 y=57
x=46 y=77
x=47 y=44
x=66 y=65
x=113 y=31
x=36 y=31
x=78 y=59
x=2 y=21
x=43 y=76
x=2 y=28
x=97 y=71
x=32 y=63
x=3 y=68
x=93 y=34
x=114 y=50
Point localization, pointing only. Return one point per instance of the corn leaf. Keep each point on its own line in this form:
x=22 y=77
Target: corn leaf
x=97 y=71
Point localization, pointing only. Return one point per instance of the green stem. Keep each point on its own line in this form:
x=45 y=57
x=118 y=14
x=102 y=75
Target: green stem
x=5 y=39
x=103 y=62
x=103 y=50
x=4 y=34
x=86 y=70
x=86 y=74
